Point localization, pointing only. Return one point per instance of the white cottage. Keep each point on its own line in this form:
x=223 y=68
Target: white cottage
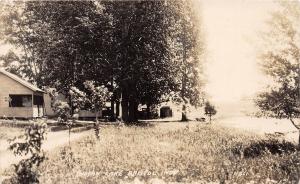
x=19 y=98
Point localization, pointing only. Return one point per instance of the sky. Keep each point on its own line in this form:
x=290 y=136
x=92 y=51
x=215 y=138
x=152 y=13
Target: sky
x=232 y=31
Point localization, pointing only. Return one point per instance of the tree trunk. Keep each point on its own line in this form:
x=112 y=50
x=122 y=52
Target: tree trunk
x=183 y=113
x=298 y=128
x=148 y=113
x=71 y=105
x=112 y=101
x=96 y=114
x=124 y=104
x=136 y=111
x=183 y=85
x=133 y=110
x=112 y=112
x=117 y=108
x=299 y=140
x=124 y=84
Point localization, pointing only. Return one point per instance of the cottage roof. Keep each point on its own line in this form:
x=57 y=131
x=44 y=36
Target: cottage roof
x=21 y=81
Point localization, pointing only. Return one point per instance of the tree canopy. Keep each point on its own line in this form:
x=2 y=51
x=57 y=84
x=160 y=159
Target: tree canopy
x=144 y=52
x=280 y=59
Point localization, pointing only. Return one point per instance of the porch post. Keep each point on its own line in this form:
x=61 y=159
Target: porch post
x=32 y=106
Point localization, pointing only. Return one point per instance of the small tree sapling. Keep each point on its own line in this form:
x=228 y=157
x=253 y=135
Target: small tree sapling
x=209 y=110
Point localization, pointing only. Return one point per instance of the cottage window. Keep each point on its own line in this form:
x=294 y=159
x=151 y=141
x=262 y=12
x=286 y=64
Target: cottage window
x=20 y=101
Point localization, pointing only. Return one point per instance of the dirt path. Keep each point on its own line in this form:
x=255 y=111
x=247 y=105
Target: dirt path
x=53 y=140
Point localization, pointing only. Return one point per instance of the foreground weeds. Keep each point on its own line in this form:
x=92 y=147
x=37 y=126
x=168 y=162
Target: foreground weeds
x=7 y=132
x=195 y=154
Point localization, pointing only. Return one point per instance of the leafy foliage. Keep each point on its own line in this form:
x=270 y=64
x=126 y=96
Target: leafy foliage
x=140 y=50
x=280 y=60
x=188 y=49
x=78 y=99
x=282 y=102
x=97 y=96
x=263 y=147
x=209 y=110
x=26 y=171
x=61 y=108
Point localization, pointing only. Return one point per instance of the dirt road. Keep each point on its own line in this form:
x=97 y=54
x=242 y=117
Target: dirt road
x=53 y=140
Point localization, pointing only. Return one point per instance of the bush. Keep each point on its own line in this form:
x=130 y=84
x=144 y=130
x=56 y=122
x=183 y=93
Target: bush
x=261 y=147
x=26 y=169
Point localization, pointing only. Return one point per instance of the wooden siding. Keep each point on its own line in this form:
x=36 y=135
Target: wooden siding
x=82 y=114
x=9 y=86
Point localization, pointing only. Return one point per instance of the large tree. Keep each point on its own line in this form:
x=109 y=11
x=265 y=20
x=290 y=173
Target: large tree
x=280 y=59
x=61 y=44
x=20 y=29
x=188 y=48
x=141 y=41
x=136 y=49
x=161 y=49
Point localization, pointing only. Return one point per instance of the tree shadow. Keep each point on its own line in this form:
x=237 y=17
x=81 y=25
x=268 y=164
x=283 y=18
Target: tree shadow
x=140 y=124
x=259 y=148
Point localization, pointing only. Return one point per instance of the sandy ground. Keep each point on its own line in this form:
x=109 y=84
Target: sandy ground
x=262 y=126
x=53 y=140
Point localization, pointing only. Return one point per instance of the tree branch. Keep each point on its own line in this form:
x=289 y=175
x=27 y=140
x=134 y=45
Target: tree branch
x=296 y=126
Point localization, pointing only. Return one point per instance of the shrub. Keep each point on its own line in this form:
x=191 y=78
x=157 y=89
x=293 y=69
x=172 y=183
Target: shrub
x=26 y=169
x=258 y=148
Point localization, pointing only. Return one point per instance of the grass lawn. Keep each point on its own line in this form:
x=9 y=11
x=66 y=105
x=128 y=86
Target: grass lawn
x=7 y=132
x=171 y=152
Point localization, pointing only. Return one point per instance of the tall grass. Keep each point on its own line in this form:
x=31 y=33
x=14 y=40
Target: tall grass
x=196 y=154
x=7 y=132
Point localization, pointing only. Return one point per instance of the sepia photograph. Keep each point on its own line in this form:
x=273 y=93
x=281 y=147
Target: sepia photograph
x=150 y=91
